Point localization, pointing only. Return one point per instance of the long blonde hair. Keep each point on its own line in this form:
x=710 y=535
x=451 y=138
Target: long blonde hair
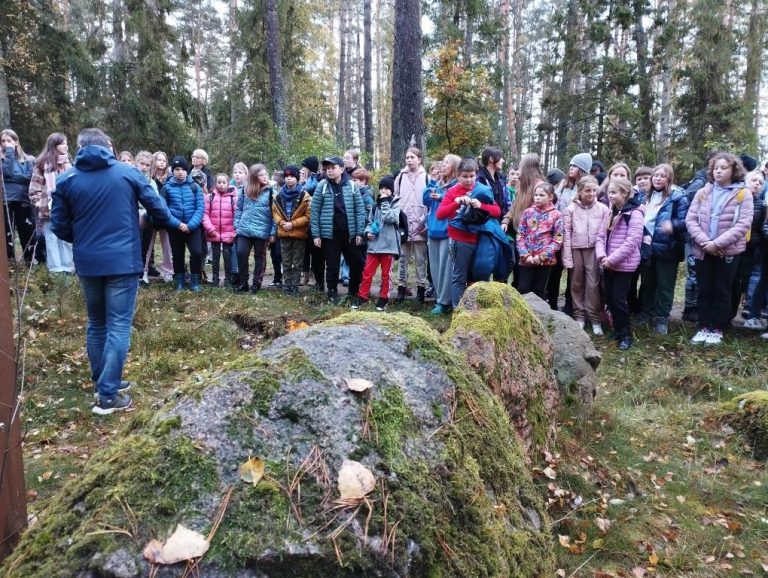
x=450 y=162
x=254 y=188
x=530 y=176
x=155 y=173
x=20 y=155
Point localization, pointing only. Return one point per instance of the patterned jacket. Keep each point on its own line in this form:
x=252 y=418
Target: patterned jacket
x=540 y=234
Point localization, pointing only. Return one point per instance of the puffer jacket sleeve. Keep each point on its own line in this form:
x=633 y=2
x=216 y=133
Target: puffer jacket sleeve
x=197 y=216
x=302 y=213
x=678 y=219
x=738 y=230
x=207 y=224
x=359 y=212
x=567 y=237
x=631 y=242
x=601 y=235
x=314 y=213
x=522 y=233
x=698 y=235
x=557 y=238
x=239 y=210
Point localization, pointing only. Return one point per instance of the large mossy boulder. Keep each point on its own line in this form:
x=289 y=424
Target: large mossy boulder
x=510 y=349
x=452 y=494
x=576 y=359
x=748 y=415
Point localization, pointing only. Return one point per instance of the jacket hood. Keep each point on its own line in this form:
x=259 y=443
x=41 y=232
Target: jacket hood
x=631 y=205
x=94 y=158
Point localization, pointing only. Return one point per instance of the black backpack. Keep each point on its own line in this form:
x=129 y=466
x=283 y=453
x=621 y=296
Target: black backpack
x=402 y=225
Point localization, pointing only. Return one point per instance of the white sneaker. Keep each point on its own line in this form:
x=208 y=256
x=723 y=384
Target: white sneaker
x=753 y=323
x=701 y=336
x=714 y=338
x=597 y=329
x=764 y=336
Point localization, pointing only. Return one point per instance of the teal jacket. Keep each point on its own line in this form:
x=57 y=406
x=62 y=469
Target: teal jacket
x=321 y=212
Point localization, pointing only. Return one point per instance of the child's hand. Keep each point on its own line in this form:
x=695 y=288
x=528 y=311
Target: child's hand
x=474 y=202
x=666 y=227
x=183 y=228
x=371 y=236
x=287 y=226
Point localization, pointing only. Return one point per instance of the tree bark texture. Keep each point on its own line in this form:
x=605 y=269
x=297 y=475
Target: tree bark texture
x=407 y=92
x=275 y=65
x=342 y=114
x=367 y=95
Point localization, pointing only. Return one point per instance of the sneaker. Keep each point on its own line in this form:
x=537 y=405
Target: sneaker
x=357 y=302
x=124 y=386
x=714 y=338
x=401 y=294
x=754 y=323
x=105 y=406
x=430 y=294
x=701 y=336
x=438 y=309
x=381 y=304
x=661 y=327
x=597 y=329
x=625 y=343
x=276 y=283
x=764 y=336
x=334 y=299
x=420 y=294
x=153 y=272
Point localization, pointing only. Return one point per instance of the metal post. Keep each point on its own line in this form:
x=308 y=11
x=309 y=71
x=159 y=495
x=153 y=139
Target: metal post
x=13 y=504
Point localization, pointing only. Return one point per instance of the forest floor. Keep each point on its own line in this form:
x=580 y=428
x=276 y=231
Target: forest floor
x=650 y=483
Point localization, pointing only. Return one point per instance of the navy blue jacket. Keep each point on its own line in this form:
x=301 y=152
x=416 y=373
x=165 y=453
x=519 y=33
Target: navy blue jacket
x=16 y=176
x=95 y=207
x=666 y=245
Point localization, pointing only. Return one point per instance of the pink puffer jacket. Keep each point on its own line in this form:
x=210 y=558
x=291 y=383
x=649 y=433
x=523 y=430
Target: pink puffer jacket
x=219 y=218
x=731 y=236
x=582 y=224
x=622 y=243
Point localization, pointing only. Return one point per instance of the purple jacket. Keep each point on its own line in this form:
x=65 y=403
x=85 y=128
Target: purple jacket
x=621 y=242
x=731 y=236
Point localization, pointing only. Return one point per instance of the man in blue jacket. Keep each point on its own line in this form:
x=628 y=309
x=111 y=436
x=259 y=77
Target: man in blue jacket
x=95 y=207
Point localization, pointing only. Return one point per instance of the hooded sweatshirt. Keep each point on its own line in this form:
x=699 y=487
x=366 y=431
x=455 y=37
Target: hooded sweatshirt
x=95 y=207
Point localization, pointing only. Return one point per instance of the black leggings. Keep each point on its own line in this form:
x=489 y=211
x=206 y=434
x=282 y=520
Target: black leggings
x=534 y=279
x=19 y=218
x=191 y=241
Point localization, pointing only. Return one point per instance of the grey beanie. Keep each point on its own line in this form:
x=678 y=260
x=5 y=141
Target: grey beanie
x=583 y=161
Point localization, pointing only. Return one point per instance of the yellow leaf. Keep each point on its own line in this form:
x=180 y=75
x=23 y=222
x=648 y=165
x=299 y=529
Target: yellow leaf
x=296 y=325
x=184 y=544
x=653 y=559
x=252 y=470
x=565 y=541
x=681 y=499
x=598 y=544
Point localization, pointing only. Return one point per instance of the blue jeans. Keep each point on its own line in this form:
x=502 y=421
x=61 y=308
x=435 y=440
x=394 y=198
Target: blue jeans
x=109 y=302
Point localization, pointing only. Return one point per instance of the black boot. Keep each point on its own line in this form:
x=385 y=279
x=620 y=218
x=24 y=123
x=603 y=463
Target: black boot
x=420 y=294
x=401 y=294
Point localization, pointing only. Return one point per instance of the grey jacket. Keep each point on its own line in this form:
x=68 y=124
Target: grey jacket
x=384 y=217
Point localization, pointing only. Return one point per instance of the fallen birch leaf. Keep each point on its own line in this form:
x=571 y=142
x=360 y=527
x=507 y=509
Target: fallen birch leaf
x=358 y=384
x=355 y=480
x=252 y=471
x=184 y=544
x=296 y=325
x=550 y=473
x=603 y=524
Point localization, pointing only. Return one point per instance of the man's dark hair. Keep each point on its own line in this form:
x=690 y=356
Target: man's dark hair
x=93 y=136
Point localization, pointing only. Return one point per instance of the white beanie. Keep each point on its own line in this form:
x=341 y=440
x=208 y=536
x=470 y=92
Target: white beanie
x=583 y=161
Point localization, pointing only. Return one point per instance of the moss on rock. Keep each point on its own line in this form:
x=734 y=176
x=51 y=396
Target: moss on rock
x=137 y=489
x=511 y=351
x=748 y=414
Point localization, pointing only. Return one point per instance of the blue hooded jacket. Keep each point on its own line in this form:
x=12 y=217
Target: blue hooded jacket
x=493 y=254
x=436 y=228
x=95 y=207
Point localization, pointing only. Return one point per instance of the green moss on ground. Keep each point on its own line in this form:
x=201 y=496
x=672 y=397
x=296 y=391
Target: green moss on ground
x=748 y=414
x=136 y=489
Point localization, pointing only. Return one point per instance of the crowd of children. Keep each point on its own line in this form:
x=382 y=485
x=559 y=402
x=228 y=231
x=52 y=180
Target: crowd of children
x=619 y=242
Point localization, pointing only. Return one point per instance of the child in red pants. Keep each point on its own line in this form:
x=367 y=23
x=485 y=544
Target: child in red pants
x=383 y=236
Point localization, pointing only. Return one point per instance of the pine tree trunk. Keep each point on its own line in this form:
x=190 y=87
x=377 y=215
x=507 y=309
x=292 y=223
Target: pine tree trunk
x=755 y=40
x=509 y=74
x=665 y=98
x=367 y=96
x=275 y=65
x=645 y=100
x=341 y=118
x=232 y=73
x=407 y=93
x=5 y=103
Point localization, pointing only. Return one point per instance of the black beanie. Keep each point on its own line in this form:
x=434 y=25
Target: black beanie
x=311 y=163
x=291 y=171
x=179 y=162
x=750 y=163
x=387 y=182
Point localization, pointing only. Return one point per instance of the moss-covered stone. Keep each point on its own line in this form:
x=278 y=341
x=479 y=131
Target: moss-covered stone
x=453 y=494
x=748 y=414
x=507 y=346
x=137 y=489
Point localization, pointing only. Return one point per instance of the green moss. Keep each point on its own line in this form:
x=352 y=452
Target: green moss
x=391 y=421
x=139 y=484
x=165 y=426
x=296 y=366
x=748 y=413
